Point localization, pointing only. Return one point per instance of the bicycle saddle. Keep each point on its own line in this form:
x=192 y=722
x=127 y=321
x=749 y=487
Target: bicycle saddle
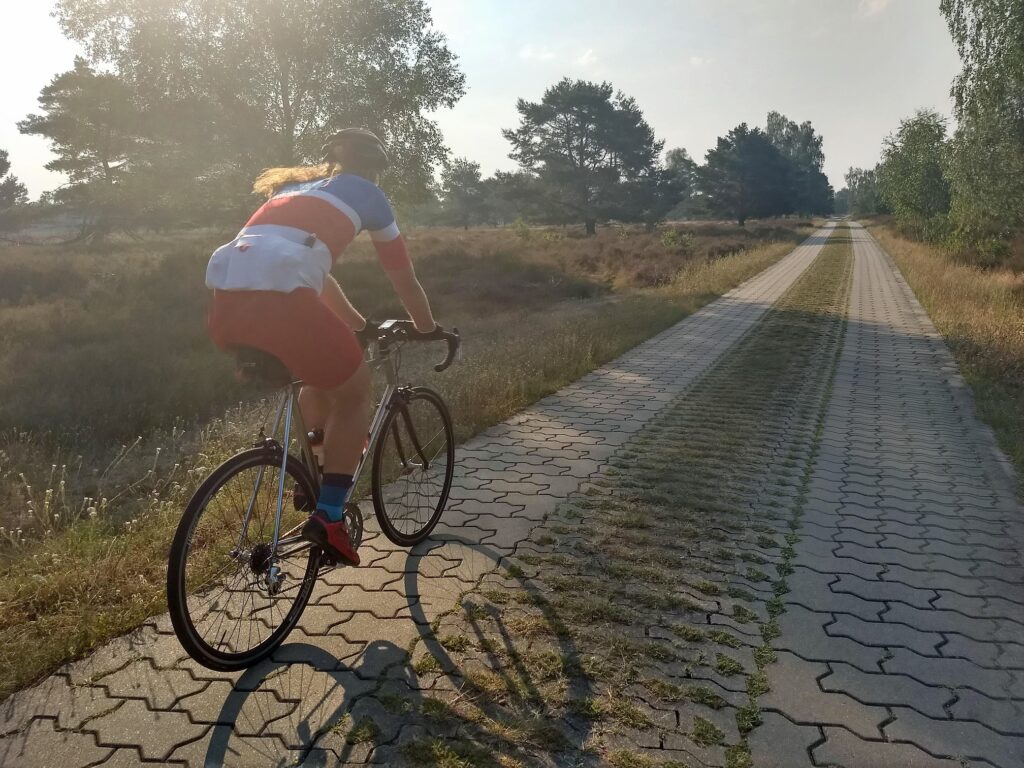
x=252 y=363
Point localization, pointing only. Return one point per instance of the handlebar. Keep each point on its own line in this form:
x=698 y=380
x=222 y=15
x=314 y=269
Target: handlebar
x=394 y=330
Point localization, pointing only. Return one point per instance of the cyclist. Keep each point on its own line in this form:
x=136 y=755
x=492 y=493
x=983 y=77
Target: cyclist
x=272 y=290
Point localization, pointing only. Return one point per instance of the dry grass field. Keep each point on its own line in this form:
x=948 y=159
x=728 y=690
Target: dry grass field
x=114 y=405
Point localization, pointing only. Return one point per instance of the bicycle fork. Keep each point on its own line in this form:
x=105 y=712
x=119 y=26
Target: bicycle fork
x=287 y=410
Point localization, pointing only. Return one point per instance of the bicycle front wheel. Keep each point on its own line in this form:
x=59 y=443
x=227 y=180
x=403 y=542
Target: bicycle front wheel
x=413 y=461
x=232 y=600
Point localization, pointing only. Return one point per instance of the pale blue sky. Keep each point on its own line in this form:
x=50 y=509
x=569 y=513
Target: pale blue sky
x=696 y=67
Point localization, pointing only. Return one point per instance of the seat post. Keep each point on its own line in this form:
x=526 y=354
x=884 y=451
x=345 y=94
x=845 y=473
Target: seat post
x=302 y=435
x=285 y=439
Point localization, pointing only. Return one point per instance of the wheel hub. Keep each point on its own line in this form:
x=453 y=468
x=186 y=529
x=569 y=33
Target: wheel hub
x=260 y=558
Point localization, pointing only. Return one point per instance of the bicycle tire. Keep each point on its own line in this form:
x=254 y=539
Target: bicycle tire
x=177 y=573
x=397 y=420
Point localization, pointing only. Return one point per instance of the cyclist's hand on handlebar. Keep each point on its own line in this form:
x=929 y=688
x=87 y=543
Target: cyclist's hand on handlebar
x=426 y=332
x=434 y=334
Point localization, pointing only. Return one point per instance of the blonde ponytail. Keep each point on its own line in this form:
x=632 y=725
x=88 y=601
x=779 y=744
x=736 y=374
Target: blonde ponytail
x=272 y=180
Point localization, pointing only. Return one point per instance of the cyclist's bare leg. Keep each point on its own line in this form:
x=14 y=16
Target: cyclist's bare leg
x=347 y=423
x=315 y=405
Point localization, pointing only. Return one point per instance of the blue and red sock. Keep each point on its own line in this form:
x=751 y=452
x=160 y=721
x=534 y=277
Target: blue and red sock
x=334 y=492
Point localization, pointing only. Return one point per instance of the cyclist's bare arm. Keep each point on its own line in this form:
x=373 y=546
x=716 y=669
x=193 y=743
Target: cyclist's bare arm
x=336 y=299
x=409 y=291
x=413 y=298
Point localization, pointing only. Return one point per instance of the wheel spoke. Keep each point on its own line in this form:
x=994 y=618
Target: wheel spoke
x=231 y=615
x=411 y=474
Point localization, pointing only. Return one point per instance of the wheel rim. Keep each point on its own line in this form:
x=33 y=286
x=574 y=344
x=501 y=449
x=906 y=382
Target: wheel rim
x=413 y=467
x=239 y=599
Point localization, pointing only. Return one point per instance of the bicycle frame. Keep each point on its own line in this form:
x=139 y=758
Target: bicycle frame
x=289 y=412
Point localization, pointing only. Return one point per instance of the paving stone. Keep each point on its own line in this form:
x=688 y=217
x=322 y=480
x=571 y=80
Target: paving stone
x=780 y=743
x=110 y=657
x=127 y=757
x=921 y=562
x=884 y=689
x=993 y=655
x=881 y=633
x=824 y=561
x=934 y=620
x=870 y=589
x=161 y=688
x=55 y=697
x=902 y=458
x=804 y=633
x=223 y=748
x=842 y=748
x=954 y=738
x=41 y=745
x=983 y=607
x=323 y=699
x=155 y=733
x=796 y=694
x=940 y=580
x=1002 y=715
x=819 y=592
x=954 y=673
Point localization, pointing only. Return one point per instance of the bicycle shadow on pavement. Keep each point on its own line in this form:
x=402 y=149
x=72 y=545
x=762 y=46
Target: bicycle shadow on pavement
x=308 y=708
x=470 y=686
x=493 y=659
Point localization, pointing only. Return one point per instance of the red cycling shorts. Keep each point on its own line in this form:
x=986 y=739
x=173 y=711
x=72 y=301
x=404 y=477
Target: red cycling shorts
x=297 y=328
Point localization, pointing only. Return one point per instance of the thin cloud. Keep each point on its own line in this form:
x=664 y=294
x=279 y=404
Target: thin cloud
x=587 y=58
x=872 y=7
x=699 y=62
x=536 y=54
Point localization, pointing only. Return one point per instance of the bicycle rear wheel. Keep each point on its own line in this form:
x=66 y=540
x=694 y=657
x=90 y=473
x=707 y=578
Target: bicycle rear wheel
x=413 y=461
x=229 y=606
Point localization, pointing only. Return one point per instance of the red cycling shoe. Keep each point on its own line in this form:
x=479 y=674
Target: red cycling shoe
x=332 y=537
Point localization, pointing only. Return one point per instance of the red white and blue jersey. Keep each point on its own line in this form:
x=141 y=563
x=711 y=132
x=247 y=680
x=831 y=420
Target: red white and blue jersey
x=335 y=210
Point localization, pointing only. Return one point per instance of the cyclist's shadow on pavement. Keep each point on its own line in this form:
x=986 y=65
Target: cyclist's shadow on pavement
x=302 y=709
x=307 y=707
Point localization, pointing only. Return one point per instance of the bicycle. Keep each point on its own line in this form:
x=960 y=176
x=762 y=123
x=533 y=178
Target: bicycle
x=239 y=574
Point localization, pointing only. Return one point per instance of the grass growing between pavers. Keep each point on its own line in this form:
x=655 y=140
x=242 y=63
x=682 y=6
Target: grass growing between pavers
x=635 y=627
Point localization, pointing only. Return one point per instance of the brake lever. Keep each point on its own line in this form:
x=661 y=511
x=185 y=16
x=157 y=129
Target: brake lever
x=454 y=349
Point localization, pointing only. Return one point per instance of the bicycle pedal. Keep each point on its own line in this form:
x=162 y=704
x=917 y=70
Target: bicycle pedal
x=327 y=560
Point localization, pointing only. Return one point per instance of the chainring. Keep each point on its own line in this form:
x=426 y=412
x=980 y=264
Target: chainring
x=354 y=520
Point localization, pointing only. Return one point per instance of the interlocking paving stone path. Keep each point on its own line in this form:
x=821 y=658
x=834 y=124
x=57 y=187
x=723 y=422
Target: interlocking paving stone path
x=139 y=699
x=903 y=638
x=630 y=629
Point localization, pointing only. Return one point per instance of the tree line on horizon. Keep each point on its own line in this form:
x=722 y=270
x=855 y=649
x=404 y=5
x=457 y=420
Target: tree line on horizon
x=617 y=174
x=962 y=189
x=176 y=108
